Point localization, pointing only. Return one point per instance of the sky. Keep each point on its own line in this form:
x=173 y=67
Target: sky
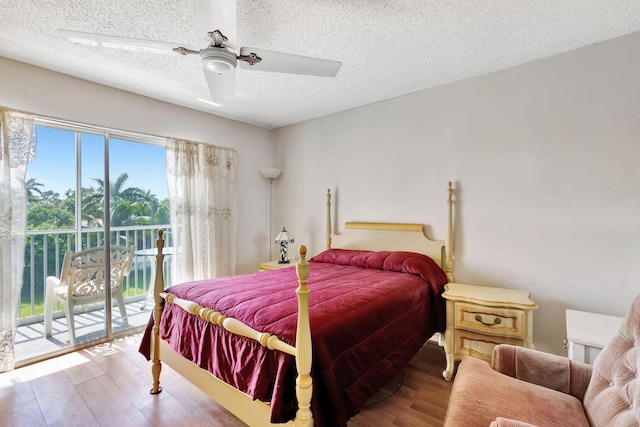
x=55 y=163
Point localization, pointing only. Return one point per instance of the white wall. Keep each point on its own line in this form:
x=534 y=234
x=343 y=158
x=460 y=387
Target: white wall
x=546 y=162
x=46 y=93
x=545 y=158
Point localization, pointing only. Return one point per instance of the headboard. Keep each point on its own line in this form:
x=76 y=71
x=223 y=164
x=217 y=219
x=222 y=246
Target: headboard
x=388 y=236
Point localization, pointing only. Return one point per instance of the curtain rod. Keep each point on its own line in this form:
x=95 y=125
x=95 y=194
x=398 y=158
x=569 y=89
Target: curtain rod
x=152 y=139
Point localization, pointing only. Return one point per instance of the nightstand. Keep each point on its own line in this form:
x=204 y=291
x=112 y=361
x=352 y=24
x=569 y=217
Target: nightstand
x=587 y=334
x=481 y=317
x=273 y=265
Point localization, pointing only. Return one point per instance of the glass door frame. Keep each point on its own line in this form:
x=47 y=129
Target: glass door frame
x=106 y=134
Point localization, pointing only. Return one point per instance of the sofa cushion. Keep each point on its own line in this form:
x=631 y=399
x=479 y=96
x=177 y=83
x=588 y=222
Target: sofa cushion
x=613 y=395
x=480 y=395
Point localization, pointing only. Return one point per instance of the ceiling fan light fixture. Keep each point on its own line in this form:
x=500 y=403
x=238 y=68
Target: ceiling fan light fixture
x=218 y=60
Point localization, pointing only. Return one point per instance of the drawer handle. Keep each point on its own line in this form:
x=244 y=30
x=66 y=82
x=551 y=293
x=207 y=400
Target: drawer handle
x=496 y=321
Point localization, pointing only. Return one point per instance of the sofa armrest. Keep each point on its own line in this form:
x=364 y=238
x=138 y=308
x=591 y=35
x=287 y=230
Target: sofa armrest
x=545 y=369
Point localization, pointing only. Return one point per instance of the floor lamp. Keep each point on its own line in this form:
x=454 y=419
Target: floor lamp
x=270 y=174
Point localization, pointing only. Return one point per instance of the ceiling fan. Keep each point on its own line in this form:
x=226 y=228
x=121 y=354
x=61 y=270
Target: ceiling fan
x=216 y=22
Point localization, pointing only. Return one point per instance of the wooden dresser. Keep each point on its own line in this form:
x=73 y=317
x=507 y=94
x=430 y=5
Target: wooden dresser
x=481 y=317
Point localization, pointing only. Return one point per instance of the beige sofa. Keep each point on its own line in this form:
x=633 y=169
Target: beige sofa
x=525 y=387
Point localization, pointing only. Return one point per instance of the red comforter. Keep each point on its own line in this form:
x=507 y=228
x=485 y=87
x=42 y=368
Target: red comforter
x=370 y=313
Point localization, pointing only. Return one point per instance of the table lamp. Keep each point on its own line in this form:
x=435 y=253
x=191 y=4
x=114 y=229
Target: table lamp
x=283 y=239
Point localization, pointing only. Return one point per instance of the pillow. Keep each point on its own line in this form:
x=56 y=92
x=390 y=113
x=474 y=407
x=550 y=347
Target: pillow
x=402 y=262
x=343 y=257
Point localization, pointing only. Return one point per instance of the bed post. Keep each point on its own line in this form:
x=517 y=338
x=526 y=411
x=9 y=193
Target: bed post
x=304 y=386
x=158 y=287
x=448 y=245
x=328 y=219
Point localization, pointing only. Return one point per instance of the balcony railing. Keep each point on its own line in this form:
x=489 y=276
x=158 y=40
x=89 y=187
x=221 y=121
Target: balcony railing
x=45 y=249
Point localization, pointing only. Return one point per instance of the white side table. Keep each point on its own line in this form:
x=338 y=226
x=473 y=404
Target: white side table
x=588 y=333
x=274 y=265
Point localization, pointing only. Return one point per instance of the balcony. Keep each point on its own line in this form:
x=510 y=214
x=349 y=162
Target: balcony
x=44 y=252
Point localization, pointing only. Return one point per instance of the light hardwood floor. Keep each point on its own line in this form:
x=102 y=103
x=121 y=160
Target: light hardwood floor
x=108 y=385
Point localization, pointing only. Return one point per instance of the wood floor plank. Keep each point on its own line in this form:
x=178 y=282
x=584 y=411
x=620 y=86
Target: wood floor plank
x=372 y=418
x=421 y=401
x=168 y=412
x=108 y=385
x=193 y=398
x=25 y=414
x=130 y=346
x=84 y=372
x=202 y=409
x=60 y=402
x=14 y=393
x=109 y=405
x=135 y=385
x=413 y=418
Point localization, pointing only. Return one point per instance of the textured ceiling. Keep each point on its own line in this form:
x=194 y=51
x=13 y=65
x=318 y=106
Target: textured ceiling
x=388 y=48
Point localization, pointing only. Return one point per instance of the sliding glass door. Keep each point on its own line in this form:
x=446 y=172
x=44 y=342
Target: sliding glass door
x=139 y=208
x=89 y=189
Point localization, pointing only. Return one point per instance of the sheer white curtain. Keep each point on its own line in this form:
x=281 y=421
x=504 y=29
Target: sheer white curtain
x=18 y=149
x=201 y=180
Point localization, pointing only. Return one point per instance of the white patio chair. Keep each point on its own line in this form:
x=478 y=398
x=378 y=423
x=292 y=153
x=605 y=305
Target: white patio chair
x=82 y=281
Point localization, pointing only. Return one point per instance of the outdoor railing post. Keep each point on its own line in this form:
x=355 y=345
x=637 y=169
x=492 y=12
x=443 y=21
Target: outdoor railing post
x=38 y=249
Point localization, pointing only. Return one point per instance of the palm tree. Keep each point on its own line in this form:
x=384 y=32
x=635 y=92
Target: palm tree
x=32 y=188
x=129 y=205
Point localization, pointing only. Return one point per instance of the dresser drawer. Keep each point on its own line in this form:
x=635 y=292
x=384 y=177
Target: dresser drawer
x=507 y=322
x=479 y=346
x=481 y=317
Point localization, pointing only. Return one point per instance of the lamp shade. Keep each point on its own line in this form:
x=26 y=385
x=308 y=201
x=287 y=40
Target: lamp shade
x=270 y=173
x=284 y=236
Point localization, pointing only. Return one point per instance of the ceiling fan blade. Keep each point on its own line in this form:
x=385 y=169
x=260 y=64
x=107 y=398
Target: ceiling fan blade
x=279 y=62
x=221 y=86
x=127 y=43
x=218 y=15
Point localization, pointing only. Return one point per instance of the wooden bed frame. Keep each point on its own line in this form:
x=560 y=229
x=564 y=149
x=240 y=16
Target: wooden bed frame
x=373 y=236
